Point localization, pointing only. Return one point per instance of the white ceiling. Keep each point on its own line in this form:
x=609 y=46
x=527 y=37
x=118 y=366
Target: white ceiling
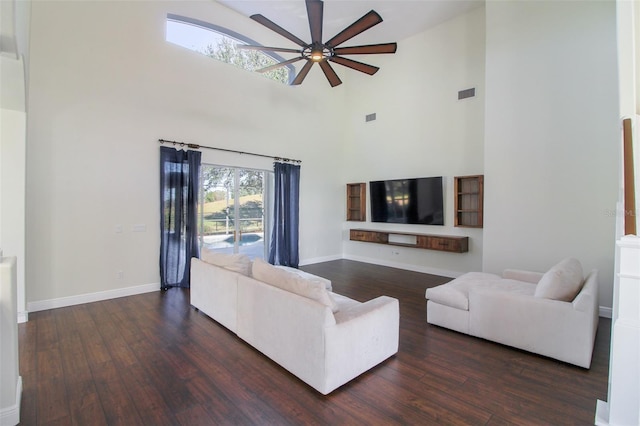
x=402 y=18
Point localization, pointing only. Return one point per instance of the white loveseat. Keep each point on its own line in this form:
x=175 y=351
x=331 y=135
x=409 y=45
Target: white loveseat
x=323 y=338
x=554 y=314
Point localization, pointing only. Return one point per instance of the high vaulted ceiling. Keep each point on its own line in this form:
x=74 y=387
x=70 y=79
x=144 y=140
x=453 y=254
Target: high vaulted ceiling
x=402 y=18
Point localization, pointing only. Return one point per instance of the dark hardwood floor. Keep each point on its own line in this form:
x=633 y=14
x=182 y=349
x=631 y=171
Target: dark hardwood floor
x=152 y=359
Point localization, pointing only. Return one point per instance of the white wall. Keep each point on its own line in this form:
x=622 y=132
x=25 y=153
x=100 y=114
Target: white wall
x=628 y=20
x=422 y=129
x=548 y=147
x=104 y=86
x=551 y=136
x=12 y=168
x=630 y=44
x=12 y=207
x=11 y=382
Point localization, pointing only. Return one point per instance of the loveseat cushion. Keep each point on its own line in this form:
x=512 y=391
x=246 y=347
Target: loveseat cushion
x=455 y=293
x=292 y=282
x=234 y=262
x=562 y=282
x=346 y=306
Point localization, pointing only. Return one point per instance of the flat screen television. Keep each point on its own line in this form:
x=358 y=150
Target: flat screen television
x=414 y=201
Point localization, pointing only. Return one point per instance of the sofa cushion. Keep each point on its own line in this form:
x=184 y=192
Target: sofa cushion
x=293 y=282
x=455 y=292
x=325 y=282
x=562 y=282
x=234 y=262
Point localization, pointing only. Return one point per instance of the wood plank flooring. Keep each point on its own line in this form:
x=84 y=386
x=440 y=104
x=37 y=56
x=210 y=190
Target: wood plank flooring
x=152 y=359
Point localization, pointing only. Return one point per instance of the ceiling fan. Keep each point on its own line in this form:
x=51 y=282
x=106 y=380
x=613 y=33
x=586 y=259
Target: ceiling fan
x=323 y=53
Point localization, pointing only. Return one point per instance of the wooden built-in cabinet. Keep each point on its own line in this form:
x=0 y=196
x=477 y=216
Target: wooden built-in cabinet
x=454 y=244
x=369 y=236
x=357 y=202
x=469 y=195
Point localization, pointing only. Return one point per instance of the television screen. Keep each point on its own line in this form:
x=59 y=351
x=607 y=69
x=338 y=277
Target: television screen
x=414 y=201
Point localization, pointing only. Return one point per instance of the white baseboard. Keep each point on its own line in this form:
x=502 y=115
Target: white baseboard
x=605 y=312
x=62 y=302
x=602 y=413
x=10 y=416
x=319 y=260
x=405 y=266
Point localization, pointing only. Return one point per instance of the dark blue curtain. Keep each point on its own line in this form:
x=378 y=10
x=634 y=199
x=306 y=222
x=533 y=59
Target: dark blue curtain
x=179 y=174
x=284 y=238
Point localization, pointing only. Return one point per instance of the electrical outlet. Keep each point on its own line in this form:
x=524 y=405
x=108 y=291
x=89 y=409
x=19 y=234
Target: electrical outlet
x=120 y=275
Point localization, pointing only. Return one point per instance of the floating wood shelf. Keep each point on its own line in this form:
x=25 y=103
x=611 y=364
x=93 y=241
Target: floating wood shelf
x=454 y=244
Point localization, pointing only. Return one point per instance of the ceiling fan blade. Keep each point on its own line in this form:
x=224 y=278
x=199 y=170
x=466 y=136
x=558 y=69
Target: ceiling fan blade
x=277 y=28
x=303 y=73
x=331 y=75
x=358 y=66
x=367 y=21
x=267 y=48
x=368 y=49
x=315 y=11
x=280 y=64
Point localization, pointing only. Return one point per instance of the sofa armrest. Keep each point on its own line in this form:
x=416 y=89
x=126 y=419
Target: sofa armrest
x=548 y=327
x=361 y=338
x=521 y=275
x=214 y=291
x=286 y=327
x=358 y=311
x=588 y=295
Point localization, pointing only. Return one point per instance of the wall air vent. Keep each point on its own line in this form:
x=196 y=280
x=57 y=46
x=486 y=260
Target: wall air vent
x=467 y=93
x=370 y=117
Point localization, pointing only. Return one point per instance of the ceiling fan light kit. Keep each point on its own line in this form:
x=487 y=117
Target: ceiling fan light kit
x=323 y=53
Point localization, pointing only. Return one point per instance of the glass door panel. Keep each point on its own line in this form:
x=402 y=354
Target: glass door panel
x=251 y=213
x=227 y=226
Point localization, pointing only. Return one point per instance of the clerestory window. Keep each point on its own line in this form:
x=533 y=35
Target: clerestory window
x=220 y=43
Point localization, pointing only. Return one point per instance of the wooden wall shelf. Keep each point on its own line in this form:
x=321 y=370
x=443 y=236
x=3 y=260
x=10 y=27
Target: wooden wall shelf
x=469 y=196
x=454 y=244
x=357 y=202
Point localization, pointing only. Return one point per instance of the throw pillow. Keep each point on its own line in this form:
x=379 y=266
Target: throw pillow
x=561 y=282
x=234 y=262
x=292 y=282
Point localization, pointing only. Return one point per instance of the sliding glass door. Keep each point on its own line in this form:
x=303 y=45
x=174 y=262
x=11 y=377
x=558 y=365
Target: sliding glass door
x=232 y=210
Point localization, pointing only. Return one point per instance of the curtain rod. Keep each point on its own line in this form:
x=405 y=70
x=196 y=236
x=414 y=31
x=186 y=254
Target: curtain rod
x=196 y=146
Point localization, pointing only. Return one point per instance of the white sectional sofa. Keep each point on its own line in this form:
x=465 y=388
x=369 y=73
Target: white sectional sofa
x=292 y=317
x=554 y=314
